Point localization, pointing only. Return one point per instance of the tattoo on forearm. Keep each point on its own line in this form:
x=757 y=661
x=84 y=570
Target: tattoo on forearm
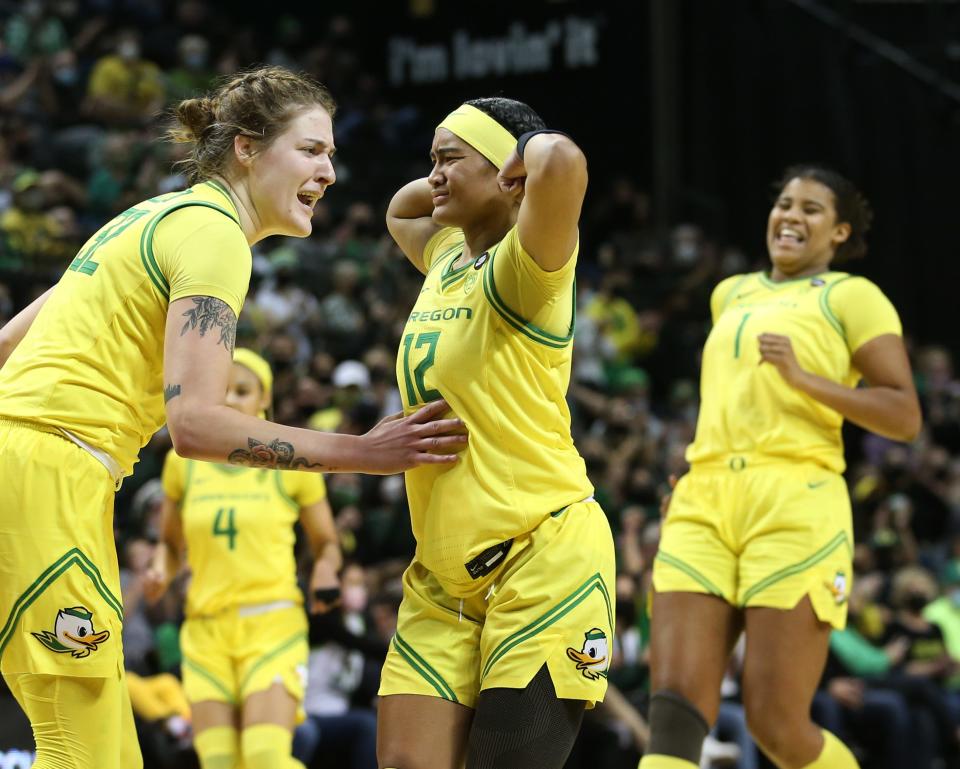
x=276 y=454
x=170 y=392
x=210 y=312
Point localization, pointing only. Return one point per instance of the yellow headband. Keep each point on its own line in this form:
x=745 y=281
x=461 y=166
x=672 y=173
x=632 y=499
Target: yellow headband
x=481 y=132
x=260 y=368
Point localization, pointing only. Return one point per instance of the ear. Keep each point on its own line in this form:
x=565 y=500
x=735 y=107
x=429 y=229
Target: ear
x=841 y=233
x=243 y=149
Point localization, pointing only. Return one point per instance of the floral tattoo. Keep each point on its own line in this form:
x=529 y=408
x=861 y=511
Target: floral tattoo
x=208 y=313
x=276 y=454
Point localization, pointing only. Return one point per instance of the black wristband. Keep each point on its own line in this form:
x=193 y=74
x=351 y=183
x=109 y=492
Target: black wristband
x=524 y=138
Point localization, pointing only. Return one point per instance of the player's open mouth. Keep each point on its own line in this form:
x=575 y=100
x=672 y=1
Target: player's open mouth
x=788 y=236
x=308 y=199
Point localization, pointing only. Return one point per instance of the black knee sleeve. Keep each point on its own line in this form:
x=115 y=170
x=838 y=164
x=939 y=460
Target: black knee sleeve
x=677 y=728
x=527 y=728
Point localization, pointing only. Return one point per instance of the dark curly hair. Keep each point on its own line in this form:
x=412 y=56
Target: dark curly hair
x=515 y=116
x=851 y=205
x=258 y=103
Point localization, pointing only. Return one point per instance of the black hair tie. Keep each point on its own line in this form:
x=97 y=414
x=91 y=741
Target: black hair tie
x=524 y=138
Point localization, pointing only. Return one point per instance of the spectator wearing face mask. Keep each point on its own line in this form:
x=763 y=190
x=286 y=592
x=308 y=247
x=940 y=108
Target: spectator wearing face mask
x=193 y=72
x=342 y=649
x=124 y=89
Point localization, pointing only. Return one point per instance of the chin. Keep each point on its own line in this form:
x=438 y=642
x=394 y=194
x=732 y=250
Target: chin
x=442 y=217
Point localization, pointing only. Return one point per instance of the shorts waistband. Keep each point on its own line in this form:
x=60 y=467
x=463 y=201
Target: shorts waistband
x=253 y=609
x=246 y=610
x=110 y=464
x=739 y=462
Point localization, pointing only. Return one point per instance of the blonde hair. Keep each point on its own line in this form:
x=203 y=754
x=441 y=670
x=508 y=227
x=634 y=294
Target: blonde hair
x=258 y=103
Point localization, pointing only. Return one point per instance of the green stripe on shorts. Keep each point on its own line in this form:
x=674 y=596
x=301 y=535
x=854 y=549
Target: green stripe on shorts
x=73 y=557
x=211 y=678
x=543 y=622
x=690 y=571
x=275 y=651
x=789 y=571
x=422 y=667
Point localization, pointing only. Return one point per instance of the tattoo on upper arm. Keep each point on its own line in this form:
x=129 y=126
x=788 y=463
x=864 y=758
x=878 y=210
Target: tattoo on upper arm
x=276 y=454
x=211 y=312
x=170 y=392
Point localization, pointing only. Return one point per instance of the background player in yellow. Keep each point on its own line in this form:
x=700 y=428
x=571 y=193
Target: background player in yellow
x=244 y=639
x=758 y=534
x=146 y=314
x=506 y=618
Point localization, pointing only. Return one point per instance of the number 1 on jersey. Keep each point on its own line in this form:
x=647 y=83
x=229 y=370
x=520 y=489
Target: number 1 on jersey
x=422 y=394
x=224 y=526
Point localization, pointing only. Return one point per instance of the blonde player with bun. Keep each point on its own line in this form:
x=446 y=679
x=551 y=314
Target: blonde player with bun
x=140 y=330
x=758 y=535
x=244 y=640
x=505 y=630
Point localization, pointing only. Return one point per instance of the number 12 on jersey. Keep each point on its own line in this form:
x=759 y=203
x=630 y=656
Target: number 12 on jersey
x=417 y=390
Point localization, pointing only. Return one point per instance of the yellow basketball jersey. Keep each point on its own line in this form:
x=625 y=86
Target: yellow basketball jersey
x=92 y=362
x=747 y=407
x=494 y=338
x=238 y=526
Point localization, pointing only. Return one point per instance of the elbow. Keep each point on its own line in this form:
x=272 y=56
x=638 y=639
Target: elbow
x=909 y=426
x=187 y=435
x=912 y=427
x=564 y=159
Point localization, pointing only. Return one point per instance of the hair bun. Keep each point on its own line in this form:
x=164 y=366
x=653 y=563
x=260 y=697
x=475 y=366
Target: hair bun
x=196 y=115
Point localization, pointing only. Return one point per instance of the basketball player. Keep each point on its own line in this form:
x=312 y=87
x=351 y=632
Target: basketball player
x=245 y=637
x=758 y=534
x=146 y=315
x=504 y=632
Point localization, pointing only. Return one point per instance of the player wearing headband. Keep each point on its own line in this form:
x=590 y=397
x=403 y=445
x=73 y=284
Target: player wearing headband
x=244 y=640
x=505 y=628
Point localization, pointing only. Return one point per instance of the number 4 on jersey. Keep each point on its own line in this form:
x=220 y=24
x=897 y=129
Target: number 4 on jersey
x=224 y=526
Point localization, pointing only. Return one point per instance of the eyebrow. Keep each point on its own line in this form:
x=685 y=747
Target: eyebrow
x=802 y=201
x=322 y=143
x=446 y=150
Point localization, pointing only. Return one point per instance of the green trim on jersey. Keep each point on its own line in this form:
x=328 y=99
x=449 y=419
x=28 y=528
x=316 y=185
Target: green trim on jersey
x=73 y=557
x=546 y=620
x=438 y=259
x=283 y=492
x=146 y=242
x=690 y=571
x=217 y=683
x=789 y=571
x=451 y=274
x=421 y=666
x=832 y=319
x=221 y=189
x=766 y=281
x=275 y=651
x=733 y=289
x=187 y=478
x=526 y=328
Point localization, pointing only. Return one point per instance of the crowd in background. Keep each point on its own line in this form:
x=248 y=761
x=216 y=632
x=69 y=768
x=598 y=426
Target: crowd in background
x=83 y=86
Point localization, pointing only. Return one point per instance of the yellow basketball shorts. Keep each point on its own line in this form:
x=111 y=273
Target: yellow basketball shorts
x=551 y=602
x=230 y=656
x=60 y=606
x=760 y=534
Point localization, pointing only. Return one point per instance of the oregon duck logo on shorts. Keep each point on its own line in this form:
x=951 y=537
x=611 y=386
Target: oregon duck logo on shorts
x=839 y=588
x=73 y=632
x=593 y=659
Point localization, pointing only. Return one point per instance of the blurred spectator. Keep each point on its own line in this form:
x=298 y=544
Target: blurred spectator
x=342 y=650
x=35 y=31
x=193 y=74
x=124 y=90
